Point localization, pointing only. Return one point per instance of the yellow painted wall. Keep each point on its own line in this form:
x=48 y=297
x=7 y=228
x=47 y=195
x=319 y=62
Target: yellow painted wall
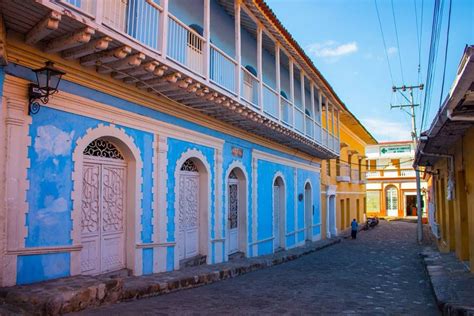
x=350 y=197
x=456 y=218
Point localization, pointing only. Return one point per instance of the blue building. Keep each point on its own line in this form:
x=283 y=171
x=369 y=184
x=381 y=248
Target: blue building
x=182 y=132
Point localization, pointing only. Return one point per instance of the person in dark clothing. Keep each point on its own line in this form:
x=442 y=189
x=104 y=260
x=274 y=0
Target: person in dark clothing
x=354 y=226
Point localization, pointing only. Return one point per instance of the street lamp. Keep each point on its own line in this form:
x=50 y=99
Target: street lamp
x=47 y=82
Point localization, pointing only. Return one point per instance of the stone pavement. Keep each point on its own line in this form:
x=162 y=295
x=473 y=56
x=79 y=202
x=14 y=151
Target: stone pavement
x=379 y=273
x=453 y=284
x=76 y=293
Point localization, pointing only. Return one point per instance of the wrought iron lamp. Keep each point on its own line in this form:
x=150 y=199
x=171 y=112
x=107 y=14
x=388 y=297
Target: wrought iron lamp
x=47 y=82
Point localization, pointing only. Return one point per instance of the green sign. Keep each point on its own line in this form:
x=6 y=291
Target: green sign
x=400 y=149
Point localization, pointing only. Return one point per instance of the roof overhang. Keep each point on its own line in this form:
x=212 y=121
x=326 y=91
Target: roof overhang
x=454 y=118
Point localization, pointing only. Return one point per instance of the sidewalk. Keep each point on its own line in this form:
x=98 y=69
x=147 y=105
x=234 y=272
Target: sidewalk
x=77 y=293
x=452 y=283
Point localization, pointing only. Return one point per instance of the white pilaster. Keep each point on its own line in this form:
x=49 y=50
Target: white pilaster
x=278 y=79
x=160 y=203
x=259 y=65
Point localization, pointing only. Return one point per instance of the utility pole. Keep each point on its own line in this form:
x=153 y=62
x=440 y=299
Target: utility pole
x=414 y=136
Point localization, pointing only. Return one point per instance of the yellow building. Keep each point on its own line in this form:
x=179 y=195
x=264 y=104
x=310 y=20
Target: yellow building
x=343 y=192
x=445 y=149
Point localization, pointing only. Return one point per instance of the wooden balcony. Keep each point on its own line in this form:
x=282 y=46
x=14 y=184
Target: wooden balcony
x=173 y=60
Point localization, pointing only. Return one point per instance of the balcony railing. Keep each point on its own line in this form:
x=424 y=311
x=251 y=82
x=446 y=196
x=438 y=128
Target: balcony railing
x=342 y=172
x=355 y=176
x=223 y=69
x=270 y=101
x=188 y=48
x=391 y=173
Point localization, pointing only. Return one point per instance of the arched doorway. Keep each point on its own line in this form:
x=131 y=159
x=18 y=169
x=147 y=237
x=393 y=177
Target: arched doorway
x=308 y=210
x=192 y=209
x=237 y=211
x=279 y=213
x=103 y=208
x=391 y=200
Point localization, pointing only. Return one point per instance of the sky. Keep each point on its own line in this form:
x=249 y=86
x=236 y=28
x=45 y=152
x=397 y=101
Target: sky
x=344 y=40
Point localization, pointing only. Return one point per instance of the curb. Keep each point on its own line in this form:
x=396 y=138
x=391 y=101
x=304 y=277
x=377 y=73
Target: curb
x=437 y=276
x=77 y=293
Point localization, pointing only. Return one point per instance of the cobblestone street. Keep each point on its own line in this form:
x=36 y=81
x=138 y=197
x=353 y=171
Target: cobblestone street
x=381 y=272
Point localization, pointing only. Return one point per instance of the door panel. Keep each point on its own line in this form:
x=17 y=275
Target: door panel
x=276 y=216
x=233 y=217
x=188 y=214
x=102 y=218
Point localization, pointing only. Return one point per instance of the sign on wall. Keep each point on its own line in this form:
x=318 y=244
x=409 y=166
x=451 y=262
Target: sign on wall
x=398 y=149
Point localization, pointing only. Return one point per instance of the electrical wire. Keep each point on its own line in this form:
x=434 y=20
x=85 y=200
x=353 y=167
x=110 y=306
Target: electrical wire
x=384 y=43
x=445 y=53
x=398 y=42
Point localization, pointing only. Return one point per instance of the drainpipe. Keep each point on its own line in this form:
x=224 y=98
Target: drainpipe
x=465 y=118
x=451 y=171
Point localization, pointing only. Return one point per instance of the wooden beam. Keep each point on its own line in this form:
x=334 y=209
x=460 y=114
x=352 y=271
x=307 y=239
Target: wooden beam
x=146 y=68
x=171 y=78
x=69 y=40
x=131 y=61
x=46 y=26
x=106 y=56
x=91 y=47
x=3 y=43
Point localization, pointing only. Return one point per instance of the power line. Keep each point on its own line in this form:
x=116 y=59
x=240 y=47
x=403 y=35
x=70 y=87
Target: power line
x=398 y=42
x=384 y=44
x=445 y=53
x=431 y=68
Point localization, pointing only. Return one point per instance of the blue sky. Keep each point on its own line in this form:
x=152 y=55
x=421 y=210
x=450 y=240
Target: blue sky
x=343 y=39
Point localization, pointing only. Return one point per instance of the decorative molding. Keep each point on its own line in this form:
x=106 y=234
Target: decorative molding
x=43 y=250
x=15 y=163
x=255 y=205
x=23 y=55
x=262 y=241
x=285 y=161
x=155 y=245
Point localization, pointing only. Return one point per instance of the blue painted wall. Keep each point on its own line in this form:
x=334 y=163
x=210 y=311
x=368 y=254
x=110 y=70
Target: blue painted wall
x=266 y=172
x=49 y=196
x=314 y=179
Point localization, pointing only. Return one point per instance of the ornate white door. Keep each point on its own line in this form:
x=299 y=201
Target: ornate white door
x=188 y=221
x=276 y=216
x=103 y=214
x=233 y=215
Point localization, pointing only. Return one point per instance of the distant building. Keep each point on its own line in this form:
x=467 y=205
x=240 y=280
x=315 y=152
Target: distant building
x=391 y=185
x=446 y=150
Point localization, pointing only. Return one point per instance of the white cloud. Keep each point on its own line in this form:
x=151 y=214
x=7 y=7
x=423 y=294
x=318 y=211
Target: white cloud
x=51 y=141
x=392 y=50
x=331 y=49
x=384 y=130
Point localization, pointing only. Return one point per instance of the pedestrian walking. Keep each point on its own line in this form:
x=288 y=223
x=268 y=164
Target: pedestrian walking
x=354 y=226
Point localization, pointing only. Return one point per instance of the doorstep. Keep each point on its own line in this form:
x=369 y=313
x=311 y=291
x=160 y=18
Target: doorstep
x=80 y=292
x=451 y=281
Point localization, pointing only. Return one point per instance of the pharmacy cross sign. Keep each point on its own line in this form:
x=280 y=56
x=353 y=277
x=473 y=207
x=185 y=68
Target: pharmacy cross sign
x=387 y=150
